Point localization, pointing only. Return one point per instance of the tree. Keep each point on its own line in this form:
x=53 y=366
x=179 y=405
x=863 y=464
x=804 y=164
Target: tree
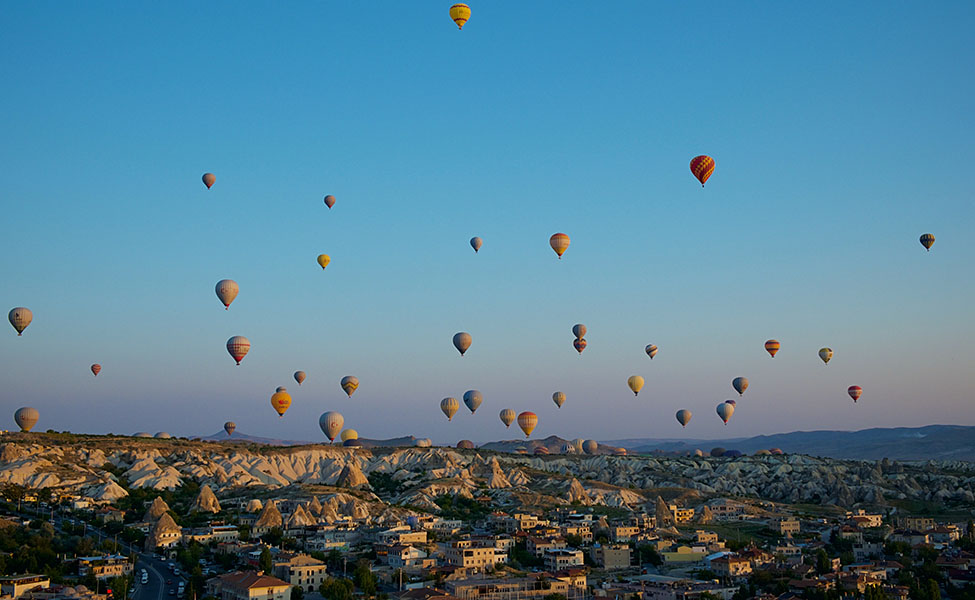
x=823 y=564
x=648 y=554
x=297 y=593
x=265 y=562
x=364 y=578
x=334 y=588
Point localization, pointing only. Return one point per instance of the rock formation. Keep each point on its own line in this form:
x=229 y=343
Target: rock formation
x=352 y=477
x=206 y=501
x=269 y=519
x=157 y=509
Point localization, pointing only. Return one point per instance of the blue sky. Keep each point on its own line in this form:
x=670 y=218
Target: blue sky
x=841 y=132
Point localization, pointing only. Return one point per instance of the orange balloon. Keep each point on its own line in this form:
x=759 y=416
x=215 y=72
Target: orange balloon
x=560 y=243
x=702 y=167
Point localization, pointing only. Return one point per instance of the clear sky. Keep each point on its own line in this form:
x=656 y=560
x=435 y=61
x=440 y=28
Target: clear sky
x=842 y=131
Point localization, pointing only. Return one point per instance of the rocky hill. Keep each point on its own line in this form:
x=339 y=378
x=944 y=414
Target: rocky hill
x=107 y=468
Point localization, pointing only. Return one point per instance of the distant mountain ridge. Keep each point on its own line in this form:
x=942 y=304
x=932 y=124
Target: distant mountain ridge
x=937 y=442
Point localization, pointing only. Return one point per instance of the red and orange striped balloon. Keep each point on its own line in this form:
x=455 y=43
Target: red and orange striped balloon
x=96 y=369
x=702 y=167
x=579 y=344
x=855 y=392
x=772 y=346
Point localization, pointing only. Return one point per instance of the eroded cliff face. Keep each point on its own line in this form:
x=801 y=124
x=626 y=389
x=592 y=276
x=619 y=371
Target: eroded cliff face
x=103 y=468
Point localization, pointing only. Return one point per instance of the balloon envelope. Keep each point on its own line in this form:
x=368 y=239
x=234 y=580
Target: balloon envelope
x=323 y=260
x=508 y=417
x=462 y=341
x=825 y=354
x=651 y=351
x=209 y=179
x=476 y=243
x=449 y=407
x=465 y=445
x=349 y=434
x=299 y=376
x=460 y=13
x=855 y=392
x=590 y=446
x=772 y=346
x=558 y=398
x=473 y=399
x=96 y=369
x=350 y=384
x=227 y=290
x=635 y=382
x=740 y=384
x=527 y=421
x=927 y=240
x=579 y=344
x=702 y=167
x=20 y=318
x=683 y=417
x=725 y=411
x=238 y=347
x=26 y=418
x=280 y=401
x=331 y=424
x=579 y=330
x=230 y=427
x=560 y=243
x=330 y=201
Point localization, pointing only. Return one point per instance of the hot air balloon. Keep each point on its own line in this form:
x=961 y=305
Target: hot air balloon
x=26 y=418
x=725 y=411
x=772 y=346
x=579 y=330
x=449 y=407
x=280 y=401
x=323 y=260
x=702 y=167
x=476 y=243
x=227 y=290
x=683 y=417
x=209 y=179
x=462 y=341
x=527 y=421
x=579 y=344
x=590 y=446
x=825 y=354
x=356 y=443
x=331 y=423
x=636 y=384
x=651 y=351
x=230 y=427
x=558 y=398
x=507 y=417
x=578 y=443
x=20 y=318
x=238 y=347
x=473 y=399
x=349 y=434
x=854 y=391
x=740 y=384
x=465 y=445
x=460 y=13
x=299 y=376
x=560 y=243
x=281 y=388
x=568 y=448
x=96 y=369
x=330 y=201
x=927 y=240
x=350 y=384
x=732 y=402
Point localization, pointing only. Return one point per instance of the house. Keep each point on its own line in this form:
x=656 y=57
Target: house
x=865 y=550
x=408 y=557
x=211 y=533
x=787 y=526
x=681 y=514
x=731 y=566
x=300 y=570
x=19 y=585
x=943 y=534
x=108 y=515
x=623 y=533
x=104 y=567
x=916 y=523
x=863 y=519
x=510 y=588
x=724 y=508
x=705 y=537
x=685 y=554
x=562 y=558
x=582 y=531
x=611 y=557
x=538 y=546
x=909 y=536
x=401 y=535
x=467 y=553
x=248 y=585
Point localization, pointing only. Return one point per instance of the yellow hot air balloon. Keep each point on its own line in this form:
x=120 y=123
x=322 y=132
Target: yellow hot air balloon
x=20 y=318
x=508 y=417
x=449 y=407
x=460 y=13
x=350 y=384
x=560 y=243
x=826 y=354
x=636 y=384
x=323 y=260
x=527 y=421
x=350 y=434
x=280 y=401
x=927 y=240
